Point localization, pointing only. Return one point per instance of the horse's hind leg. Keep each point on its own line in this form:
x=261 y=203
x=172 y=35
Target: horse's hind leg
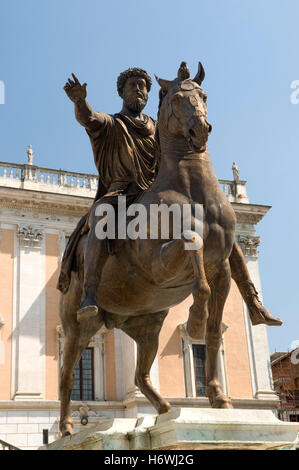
x=72 y=352
x=145 y=331
x=77 y=338
x=219 y=292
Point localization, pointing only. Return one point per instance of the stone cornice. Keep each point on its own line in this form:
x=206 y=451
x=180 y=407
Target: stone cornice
x=46 y=203
x=55 y=404
x=250 y=213
x=76 y=206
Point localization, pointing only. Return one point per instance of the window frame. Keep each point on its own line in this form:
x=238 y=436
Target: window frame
x=188 y=362
x=97 y=343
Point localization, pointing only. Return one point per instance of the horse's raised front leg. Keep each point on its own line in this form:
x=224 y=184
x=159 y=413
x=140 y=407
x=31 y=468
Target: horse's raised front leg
x=219 y=292
x=145 y=331
x=199 y=313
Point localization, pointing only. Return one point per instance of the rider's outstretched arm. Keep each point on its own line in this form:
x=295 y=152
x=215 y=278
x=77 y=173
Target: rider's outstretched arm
x=84 y=113
x=87 y=117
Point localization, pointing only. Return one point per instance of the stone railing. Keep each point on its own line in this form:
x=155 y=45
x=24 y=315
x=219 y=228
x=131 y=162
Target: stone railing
x=228 y=186
x=5 y=446
x=36 y=178
x=46 y=179
x=235 y=190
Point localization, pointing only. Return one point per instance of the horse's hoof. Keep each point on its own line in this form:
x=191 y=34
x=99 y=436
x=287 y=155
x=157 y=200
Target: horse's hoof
x=164 y=408
x=227 y=405
x=222 y=402
x=85 y=313
x=67 y=430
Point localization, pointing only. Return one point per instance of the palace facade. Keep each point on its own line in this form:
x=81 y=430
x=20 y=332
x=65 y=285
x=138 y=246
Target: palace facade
x=39 y=208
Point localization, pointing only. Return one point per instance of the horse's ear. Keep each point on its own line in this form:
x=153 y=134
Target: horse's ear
x=199 y=77
x=183 y=72
x=164 y=84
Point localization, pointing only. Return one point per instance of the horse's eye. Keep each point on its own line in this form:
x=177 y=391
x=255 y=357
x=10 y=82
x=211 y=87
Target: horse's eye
x=203 y=97
x=193 y=100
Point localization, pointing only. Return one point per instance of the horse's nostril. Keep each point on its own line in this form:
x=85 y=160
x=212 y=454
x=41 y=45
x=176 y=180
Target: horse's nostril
x=192 y=133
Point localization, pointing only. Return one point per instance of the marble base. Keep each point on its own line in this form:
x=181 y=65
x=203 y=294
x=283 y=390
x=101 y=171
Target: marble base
x=187 y=428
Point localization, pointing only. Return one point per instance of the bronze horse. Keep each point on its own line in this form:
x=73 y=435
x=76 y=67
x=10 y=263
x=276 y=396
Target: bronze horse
x=148 y=276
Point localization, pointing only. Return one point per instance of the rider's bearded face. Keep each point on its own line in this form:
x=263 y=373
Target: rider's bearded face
x=135 y=94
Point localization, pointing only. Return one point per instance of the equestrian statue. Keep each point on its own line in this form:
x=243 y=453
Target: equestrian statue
x=131 y=284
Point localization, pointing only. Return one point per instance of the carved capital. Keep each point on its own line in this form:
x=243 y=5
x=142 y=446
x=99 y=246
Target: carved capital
x=97 y=341
x=183 y=329
x=29 y=237
x=86 y=411
x=249 y=244
x=61 y=245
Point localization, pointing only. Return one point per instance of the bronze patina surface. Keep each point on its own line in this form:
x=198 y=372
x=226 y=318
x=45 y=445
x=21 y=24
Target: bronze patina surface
x=134 y=289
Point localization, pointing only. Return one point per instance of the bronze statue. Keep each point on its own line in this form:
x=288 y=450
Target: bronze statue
x=134 y=289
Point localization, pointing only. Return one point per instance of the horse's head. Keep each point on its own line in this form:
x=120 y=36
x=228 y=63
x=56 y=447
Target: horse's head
x=183 y=110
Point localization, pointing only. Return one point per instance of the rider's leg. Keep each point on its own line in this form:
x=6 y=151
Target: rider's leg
x=257 y=312
x=96 y=254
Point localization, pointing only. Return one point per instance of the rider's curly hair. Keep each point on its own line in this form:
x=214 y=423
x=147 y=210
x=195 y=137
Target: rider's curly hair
x=132 y=72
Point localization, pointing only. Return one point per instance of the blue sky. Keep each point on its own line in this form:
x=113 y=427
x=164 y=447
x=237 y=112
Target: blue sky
x=250 y=53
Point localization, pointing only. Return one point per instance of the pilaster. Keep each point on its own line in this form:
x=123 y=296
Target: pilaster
x=257 y=335
x=126 y=357
x=29 y=312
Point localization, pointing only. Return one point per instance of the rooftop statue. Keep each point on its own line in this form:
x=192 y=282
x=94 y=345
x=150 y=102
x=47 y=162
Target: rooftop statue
x=131 y=284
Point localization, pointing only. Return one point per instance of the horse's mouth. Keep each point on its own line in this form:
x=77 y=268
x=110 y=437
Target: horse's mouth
x=195 y=143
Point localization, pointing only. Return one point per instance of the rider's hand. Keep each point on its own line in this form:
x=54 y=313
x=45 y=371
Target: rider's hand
x=74 y=90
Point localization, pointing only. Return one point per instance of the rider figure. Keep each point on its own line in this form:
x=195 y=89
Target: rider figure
x=124 y=151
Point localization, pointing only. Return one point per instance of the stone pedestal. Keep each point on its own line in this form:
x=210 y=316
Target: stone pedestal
x=187 y=428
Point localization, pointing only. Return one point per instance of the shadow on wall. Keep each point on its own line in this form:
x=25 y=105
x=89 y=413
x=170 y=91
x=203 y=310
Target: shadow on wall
x=173 y=346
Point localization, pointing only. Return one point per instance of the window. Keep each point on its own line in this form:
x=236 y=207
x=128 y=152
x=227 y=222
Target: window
x=194 y=360
x=83 y=388
x=294 y=418
x=199 y=361
x=62 y=243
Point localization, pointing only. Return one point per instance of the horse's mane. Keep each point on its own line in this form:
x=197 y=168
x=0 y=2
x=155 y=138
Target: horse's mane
x=162 y=95
x=157 y=139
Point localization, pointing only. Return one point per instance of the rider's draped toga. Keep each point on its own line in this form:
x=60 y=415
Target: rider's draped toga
x=125 y=155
